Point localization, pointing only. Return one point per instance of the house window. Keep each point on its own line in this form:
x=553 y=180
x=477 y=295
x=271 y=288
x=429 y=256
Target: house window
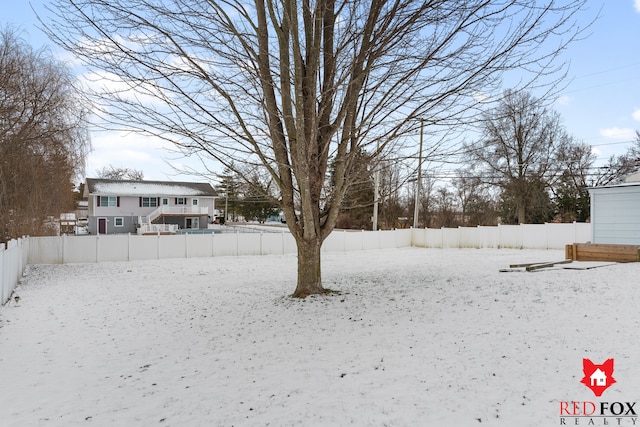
x=118 y=221
x=181 y=200
x=149 y=202
x=110 y=201
x=165 y=202
x=194 y=202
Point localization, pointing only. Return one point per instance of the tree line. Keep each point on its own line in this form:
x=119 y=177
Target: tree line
x=522 y=168
x=43 y=138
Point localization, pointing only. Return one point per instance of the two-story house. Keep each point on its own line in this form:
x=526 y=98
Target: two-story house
x=148 y=207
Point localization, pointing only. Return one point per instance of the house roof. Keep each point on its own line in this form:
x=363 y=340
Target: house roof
x=631 y=180
x=621 y=185
x=634 y=177
x=113 y=187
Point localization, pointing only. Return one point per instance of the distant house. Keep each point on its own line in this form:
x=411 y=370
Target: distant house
x=147 y=207
x=82 y=208
x=615 y=212
x=68 y=223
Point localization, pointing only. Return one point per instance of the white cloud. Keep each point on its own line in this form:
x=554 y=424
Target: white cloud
x=155 y=157
x=636 y=114
x=108 y=83
x=618 y=133
x=120 y=140
x=564 y=99
x=637 y=5
x=482 y=97
x=132 y=150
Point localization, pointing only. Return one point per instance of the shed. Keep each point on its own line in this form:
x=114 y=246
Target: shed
x=615 y=213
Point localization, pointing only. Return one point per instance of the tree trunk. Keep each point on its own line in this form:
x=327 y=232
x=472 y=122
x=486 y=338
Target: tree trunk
x=309 y=278
x=521 y=212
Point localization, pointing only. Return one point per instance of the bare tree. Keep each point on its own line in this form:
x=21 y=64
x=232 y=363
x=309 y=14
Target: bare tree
x=43 y=138
x=618 y=167
x=520 y=141
x=390 y=208
x=120 y=173
x=570 y=192
x=357 y=204
x=579 y=171
x=426 y=199
x=293 y=85
x=477 y=206
x=445 y=208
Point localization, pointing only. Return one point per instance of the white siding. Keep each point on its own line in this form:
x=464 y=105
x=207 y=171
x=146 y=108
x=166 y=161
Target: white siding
x=615 y=214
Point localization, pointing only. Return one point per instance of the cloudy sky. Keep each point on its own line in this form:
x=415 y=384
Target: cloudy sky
x=600 y=106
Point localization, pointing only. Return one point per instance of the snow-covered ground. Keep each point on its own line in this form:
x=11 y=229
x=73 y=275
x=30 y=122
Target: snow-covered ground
x=416 y=337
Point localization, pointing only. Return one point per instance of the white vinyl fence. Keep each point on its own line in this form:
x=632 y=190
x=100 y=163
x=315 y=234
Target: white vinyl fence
x=13 y=260
x=524 y=236
x=126 y=247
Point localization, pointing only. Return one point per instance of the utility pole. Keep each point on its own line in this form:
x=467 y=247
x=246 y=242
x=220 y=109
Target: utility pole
x=416 y=207
x=226 y=207
x=376 y=191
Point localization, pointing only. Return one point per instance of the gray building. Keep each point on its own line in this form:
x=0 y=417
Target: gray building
x=615 y=212
x=148 y=207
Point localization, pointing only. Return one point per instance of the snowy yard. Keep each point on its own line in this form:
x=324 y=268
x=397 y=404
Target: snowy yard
x=416 y=337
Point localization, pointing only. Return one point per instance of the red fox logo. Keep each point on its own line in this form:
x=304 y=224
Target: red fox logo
x=597 y=377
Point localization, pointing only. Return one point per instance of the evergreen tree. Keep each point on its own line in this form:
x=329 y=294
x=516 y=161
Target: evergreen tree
x=229 y=188
x=257 y=204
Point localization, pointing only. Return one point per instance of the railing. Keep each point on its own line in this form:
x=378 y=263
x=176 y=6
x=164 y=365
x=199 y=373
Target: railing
x=152 y=216
x=172 y=210
x=157 y=228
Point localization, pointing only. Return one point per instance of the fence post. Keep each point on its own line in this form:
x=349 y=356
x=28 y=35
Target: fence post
x=20 y=258
x=213 y=245
x=4 y=274
x=547 y=229
x=186 y=245
x=14 y=257
x=3 y=284
x=344 y=241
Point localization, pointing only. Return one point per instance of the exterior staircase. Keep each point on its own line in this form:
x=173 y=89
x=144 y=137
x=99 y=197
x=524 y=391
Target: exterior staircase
x=147 y=224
